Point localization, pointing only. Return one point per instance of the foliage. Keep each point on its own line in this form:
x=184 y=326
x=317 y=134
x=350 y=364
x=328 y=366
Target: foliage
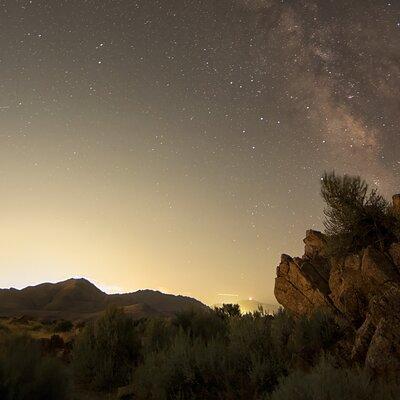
x=195 y=355
x=188 y=369
x=326 y=382
x=238 y=360
x=4 y=329
x=206 y=325
x=63 y=326
x=228 y=310
x=355 y=217
x=106 y=351
x=313 y=335
x=26 y=375
x=155 y=334
x=282 y=327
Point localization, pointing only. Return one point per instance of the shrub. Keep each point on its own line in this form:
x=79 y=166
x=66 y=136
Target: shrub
x=282 y=326
x=228 y=310
x=26 y=375
x=355 y=217
x=155 y=334
x=4 y=329
x=313 y=335
x=106 y=351
x=206 y=325
x=240 y=364
x=252 y=357
x=325 y=382
x=188 y=369
x=63 y=326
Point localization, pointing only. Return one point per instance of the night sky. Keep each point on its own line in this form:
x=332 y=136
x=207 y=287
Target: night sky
x=178 y=145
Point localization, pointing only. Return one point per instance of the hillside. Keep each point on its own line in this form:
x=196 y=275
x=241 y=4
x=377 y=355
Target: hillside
x=80 y=299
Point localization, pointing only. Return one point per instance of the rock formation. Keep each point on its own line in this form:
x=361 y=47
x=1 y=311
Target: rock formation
x=363 y=288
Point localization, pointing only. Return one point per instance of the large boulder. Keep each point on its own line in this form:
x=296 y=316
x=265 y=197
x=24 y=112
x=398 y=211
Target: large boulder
x=315 y=244
x=377 y=270
x=363 y=288
x=300 y=287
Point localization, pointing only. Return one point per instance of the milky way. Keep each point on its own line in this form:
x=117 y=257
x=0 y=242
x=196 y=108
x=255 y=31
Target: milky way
x=180 y=144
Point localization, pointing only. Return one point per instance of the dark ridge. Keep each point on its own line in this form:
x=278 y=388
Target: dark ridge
x=81 y=299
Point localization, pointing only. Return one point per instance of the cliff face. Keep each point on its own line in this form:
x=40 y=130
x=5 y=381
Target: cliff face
x=363 y=288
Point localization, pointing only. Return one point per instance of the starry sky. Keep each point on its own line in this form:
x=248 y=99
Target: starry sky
x=179 y=144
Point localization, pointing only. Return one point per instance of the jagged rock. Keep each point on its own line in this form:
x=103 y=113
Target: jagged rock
x=315 y=244
x=300 y=287
x=376 y=269
x=383 y=354
x=346 y=287
x=363 y=340
x=363 y=288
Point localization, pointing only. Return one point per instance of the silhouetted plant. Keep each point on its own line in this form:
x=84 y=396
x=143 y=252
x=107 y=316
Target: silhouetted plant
x=252 y=355
x=106 y=351
x=201 y=324
x=202 y=354
x=155 y=334
x=325 y=382
x=282 y=327
x=63 y=326
x=27 y=375
x=241 y=364
x=228 y=310
x=4 y=329
x=188 y=369
x=313 y=335
x=355 y=216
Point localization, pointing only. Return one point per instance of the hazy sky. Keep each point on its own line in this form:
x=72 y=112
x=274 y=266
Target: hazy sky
x=178 y=144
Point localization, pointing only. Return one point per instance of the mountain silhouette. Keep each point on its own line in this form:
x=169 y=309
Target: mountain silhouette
x=81 y=299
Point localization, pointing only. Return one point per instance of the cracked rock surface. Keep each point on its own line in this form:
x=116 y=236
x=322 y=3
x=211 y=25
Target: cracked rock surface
x=363 y=288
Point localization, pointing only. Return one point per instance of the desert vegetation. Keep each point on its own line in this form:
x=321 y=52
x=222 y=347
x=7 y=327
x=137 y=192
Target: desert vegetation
x=26 y=373
x=355 y=215
x=215 y=353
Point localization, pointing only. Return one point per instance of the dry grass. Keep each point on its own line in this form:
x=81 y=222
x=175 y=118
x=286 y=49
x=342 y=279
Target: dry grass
x=33 y=328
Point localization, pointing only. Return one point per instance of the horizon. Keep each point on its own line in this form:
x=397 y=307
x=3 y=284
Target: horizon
x=109 y=290
x=178 y=145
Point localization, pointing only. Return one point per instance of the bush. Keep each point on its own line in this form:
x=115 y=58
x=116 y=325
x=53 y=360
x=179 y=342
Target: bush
x=228 y=310
x=355 y=217
x=26 y=375
x=239 y=364
x=4 y=329
x=188 y=369
x=63 y=326
x=206 y=325
x=155 y=334
x=252 y=357
x=313 y=335
x=106 y=351
x=202 y=355
x=325 y=382
x=282 y=326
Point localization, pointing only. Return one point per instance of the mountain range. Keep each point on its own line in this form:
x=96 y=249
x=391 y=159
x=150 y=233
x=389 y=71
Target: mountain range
x=80 y=299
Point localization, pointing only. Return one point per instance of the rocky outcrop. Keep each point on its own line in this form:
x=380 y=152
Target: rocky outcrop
x=363 y=288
